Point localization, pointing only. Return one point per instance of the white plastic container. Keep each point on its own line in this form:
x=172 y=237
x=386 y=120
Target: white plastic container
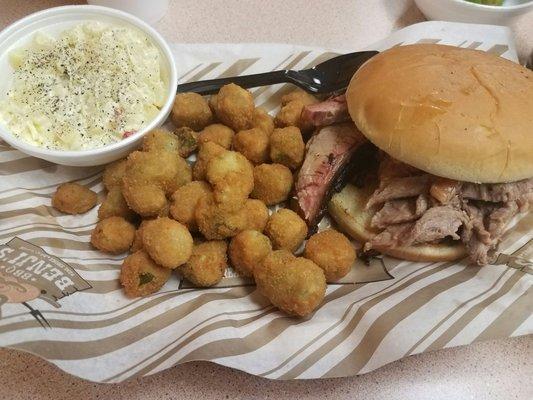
x=150 y=11
x=465 y=11
x=52 y=22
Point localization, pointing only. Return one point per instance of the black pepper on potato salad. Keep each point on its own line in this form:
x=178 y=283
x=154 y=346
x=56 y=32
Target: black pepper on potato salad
x=94 y=85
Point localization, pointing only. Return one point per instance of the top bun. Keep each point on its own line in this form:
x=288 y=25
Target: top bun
x=456 y=113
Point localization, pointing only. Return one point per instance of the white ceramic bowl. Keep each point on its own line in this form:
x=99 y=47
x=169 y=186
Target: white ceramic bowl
x=465 y=11
x=54 y=21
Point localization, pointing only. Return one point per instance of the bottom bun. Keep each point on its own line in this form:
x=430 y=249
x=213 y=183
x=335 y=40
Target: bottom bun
x=347 y=208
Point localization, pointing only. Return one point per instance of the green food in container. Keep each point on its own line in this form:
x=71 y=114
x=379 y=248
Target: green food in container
x=487 y=2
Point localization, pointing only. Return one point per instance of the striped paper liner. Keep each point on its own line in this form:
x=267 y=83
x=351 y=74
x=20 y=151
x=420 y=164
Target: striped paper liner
x=394 y=309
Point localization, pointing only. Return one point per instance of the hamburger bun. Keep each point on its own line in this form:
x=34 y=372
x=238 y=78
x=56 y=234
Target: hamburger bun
x=457 y=113
x=347 y=208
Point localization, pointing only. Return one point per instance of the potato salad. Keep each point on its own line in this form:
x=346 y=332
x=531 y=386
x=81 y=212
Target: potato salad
x=93 y=85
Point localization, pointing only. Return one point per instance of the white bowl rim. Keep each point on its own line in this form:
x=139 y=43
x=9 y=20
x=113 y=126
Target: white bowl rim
x=133 y=20
x=495 y=8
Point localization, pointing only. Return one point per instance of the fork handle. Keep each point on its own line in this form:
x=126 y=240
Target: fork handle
x=212 y=86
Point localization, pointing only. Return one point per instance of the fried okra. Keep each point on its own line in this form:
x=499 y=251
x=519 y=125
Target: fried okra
x=235 y=107
x=182 y=177
x=295 y=285
x=232 y=178
x=217 y=133
x=247 y=250
x=187 y=140
x=191 y=110
x=150 y=177
x=272 y=183
x=255 y=213
x=261 y=119
x=146 y=200
x=113 y=235
x=115 y=205
x=167 y=242
x=287 y=147
x=141 y=276
x=151 y=168
x=207 y=264
x=185 y=200
x=274 y=258
x=161 y=140
x=207 y=151
x=298 y=95
x=73 y=198
x=138 y=238
x=253 y=144
x=215 y=223
x=289 y=114
x=331 y=251
x=286 y=230
x=213 y=99
x=291 y=109
x=113 y=174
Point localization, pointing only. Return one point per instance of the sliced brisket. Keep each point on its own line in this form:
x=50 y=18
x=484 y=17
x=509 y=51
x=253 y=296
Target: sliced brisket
x=399 y=188
x=479 y=252
x=475 y=227
x=397 y=211
x=436 y=224
x=499 y=218
x=328 y=153
x=486 y=226
x=325 y=113
x=421 y=204
x=426 y=209
x=497 y=192
x=390 y=237
x=524 y=202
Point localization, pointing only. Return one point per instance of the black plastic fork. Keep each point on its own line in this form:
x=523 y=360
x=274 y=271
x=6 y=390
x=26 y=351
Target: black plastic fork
x=329 y=76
